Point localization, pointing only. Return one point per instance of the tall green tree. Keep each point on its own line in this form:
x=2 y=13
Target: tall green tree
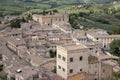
x=115 y=48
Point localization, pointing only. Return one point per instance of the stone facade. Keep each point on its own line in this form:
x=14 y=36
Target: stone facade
x=99 y=35
x=77 y=58
x=71 y=61
x=49 y=19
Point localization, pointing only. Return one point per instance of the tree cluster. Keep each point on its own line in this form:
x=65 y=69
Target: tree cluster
x=52 y=53
x=116 y=30
x=15 y=23
x=115 y=48
x=44 y=12
x=117 y=15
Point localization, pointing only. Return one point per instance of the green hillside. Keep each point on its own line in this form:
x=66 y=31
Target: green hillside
x=104 y=16
x=19 y=6
x=89 y=13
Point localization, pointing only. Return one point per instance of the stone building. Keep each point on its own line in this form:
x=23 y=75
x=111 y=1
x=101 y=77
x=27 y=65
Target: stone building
x=49 y=19
x=21 y=73
x=63 y=26
x=95 y=47
x=101 y=36
x=78 y=59
x=14 y=43
x=12 y=33
x=79 y=36
x=72 y=59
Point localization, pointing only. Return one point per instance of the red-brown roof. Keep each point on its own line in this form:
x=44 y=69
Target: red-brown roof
x=78 y=76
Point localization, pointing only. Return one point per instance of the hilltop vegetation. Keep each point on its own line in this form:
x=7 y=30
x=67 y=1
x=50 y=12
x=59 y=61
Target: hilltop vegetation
x=103 y=14
x=114 y=48
x=19 y=6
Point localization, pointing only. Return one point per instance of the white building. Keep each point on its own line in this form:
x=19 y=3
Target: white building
x=101 y=36
x=63 y=26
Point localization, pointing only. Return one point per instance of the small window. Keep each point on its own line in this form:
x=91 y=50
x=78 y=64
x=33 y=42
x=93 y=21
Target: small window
x=95 y=72
x=91 y=48
x=105 y=46
x=63 y=19
x=96 y=51
x=81 y=70
x=59 y=19
x=103 y=70
x=63 y=69
x=81 y=58
x=59 y=56
x=63 y=58
x=97 y=38
x=71 y=70
x=71 y=59
x=59 y=67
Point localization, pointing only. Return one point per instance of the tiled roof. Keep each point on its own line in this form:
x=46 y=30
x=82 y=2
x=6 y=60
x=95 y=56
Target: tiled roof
x=74 y=47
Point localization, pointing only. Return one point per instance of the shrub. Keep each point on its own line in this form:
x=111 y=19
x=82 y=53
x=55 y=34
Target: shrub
x=52 y=53
x=15 y=23
x=115 y=47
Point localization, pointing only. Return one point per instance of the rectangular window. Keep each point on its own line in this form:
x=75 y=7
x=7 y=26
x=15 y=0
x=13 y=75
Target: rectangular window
x=96 y=72
x=63 y=69
x=81 y=58
x=71 y=59
x=71 y=70
x=91 y=48
x=59 y=56
x=103 y=70
x=81 y=70
x=59 y=67
x=59 y=19
x=63 y=58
